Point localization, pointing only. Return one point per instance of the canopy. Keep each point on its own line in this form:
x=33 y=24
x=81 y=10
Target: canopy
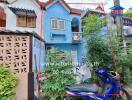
x=22 y=11
x=117 y=8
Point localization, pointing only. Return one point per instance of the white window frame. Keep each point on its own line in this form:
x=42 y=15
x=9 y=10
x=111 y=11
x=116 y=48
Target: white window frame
x=52 y=23
x=64 y=22
x=58 y=27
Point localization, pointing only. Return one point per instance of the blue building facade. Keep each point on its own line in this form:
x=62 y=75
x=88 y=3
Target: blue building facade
x=62 y=29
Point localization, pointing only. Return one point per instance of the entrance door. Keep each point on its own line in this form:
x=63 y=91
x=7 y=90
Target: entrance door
x=74 y=57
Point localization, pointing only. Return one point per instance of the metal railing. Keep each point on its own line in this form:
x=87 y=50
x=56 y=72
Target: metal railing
x=77 y=36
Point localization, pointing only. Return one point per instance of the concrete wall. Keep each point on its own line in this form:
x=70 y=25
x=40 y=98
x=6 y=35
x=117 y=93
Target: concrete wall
x=36 y=57
x=18 y=59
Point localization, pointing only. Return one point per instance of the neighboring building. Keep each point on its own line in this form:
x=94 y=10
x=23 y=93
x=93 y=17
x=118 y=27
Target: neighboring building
x=127 y=25
x=127 y=22
x=62 y=28
x=22 y=16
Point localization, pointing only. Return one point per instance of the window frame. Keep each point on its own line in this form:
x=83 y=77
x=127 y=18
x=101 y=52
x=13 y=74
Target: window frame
x=64 y=22
x=52 y=19
x=17 y=21
x=33 y=25
x=58 y=24
x=26 y=25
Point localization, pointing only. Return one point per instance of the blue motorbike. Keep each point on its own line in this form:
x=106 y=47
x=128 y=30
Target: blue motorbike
x=113 y=90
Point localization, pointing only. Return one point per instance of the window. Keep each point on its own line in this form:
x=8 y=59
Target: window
x=31 y=21
x=62 y=24
x=75 y=25
x=26 y=21
x=58 y=24
x=54 y=24
x=21 y=20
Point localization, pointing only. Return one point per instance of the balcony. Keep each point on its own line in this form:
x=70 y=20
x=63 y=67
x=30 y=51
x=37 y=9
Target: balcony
x=77 y=37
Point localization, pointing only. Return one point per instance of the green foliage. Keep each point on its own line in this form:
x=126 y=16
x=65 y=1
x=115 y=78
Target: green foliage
x=92 y=25
x=8 y=83
x=128 y=14
x=127 y=64
x=123 y=59
x=98 y=48
x=99 y=51
x=59 y=73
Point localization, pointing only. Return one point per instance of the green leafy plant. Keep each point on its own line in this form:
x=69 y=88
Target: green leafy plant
x=59 y=71
x=8 y=83
x=98 y=48
x=99 y=53
x=128 y=14
x=92 y=24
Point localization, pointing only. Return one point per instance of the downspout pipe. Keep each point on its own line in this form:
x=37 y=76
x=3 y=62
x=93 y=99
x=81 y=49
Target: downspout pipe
x=40 y=52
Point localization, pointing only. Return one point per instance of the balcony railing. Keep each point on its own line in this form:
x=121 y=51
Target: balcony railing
x=77 y=37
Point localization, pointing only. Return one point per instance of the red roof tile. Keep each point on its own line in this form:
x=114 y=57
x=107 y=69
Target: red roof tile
x=72 y=10
x=76 y=11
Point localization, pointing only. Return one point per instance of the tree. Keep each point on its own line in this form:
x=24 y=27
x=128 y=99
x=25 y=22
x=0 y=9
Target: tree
x=128 y=13
x=59 y=71
x=92 y=25
x=99 y=52
x=128 y=64
x=98 y=47
x=8 y=83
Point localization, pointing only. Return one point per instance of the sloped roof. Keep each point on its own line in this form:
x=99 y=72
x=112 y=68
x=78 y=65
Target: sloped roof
x=76 y=11
x=4 y=1
x=72 y=10
x=91 y=11
x=99 y=8
x=117 y=8
x=22 y=11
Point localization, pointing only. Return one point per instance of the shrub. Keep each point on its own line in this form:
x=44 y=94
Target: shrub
x=8 y=83
x=58 y=75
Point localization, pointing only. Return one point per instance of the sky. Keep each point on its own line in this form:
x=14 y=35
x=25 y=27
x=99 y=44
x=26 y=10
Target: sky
x=109 y=3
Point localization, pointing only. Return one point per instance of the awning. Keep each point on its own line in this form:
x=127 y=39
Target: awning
x=22 y=11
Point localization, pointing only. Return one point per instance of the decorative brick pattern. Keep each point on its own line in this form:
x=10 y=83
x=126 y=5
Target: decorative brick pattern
x=14 y=52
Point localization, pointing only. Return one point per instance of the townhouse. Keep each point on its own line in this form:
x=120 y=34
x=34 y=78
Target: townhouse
x=62 y=28
x=21 y=24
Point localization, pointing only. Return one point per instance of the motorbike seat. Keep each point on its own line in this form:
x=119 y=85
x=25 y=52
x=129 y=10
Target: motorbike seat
x=83 y=87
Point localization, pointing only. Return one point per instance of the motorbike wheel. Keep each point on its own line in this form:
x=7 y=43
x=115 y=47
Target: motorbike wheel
x=124 y=95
